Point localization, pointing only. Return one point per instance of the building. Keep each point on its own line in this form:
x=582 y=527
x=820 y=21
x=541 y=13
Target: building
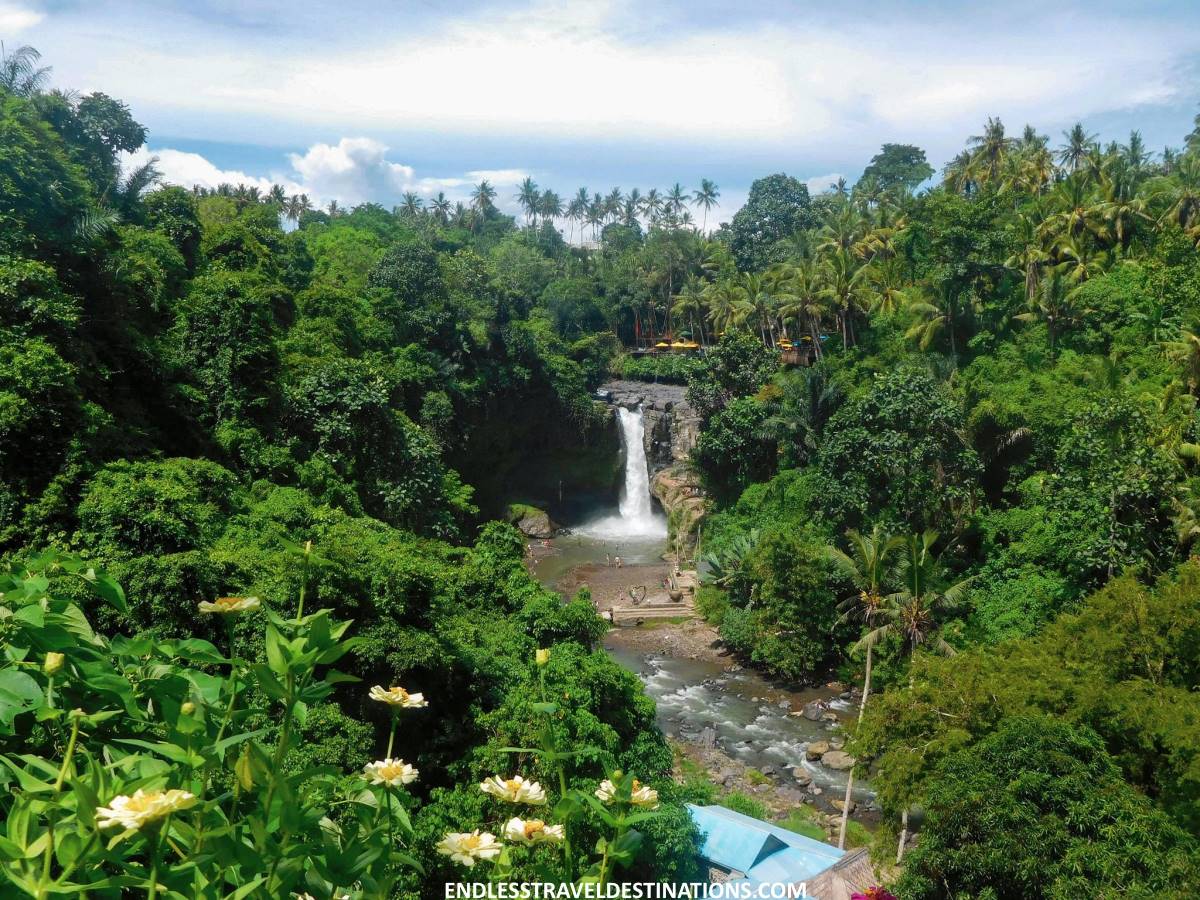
x=741 y=848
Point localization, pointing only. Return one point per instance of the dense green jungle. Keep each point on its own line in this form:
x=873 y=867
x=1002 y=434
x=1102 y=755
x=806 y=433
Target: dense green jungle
x=259 y=586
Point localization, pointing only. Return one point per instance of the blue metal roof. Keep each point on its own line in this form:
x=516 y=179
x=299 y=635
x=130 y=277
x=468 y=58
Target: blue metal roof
x=764 y=853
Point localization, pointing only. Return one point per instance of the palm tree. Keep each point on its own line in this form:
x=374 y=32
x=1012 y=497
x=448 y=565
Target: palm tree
x=912 y=613
x=1135 y=153
x=1029 y=258
x=804 y=301
x=550 y=206
x=292 y=210
x=1186 y=352
x=868 y=570
x=412 y=204
x=277 y=195
x=333 y=209
x=990 y=149
x=633 y=206
x=482 y=196
x=705 y=197
x=843 y=286
x=722 y=299
x=595 y=213
x=440 y=207
x=1052 y=304
x=530 y=199
x=577 y=211
x=1179 y=194
x=676 y=200
x=688 y=302
x=20 y=73
x=652 y=205
x=614 y=204
x=1072 y=154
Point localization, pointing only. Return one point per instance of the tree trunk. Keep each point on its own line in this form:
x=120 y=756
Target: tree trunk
x=903 y=836
x=862 y=707
x=845 y=811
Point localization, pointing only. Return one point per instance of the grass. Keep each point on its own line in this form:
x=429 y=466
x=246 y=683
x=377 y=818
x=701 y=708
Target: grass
x=756 y=777
x=744 y=804
x=711 y=604
x=802 y=821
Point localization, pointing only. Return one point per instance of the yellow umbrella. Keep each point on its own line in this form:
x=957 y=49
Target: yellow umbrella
x=662 y=345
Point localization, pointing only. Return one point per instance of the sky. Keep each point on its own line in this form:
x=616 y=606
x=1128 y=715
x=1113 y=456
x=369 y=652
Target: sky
x=360 y=100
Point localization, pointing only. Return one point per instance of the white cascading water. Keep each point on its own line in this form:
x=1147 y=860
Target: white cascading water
x=637 y=516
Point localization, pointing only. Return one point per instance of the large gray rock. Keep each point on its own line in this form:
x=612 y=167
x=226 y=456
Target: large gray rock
x=802 y=777
x=838 y=759
x=531 y=521
x=816 y=749
x=813 y=710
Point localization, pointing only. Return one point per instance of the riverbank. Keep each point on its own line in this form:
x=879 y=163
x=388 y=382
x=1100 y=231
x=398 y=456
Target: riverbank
x=750 y=739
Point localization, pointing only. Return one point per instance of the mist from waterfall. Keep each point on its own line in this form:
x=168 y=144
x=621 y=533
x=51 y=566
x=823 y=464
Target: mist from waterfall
x=637 y=516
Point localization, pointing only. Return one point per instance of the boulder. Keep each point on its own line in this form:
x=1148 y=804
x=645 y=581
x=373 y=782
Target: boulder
x=816 y=750
x=839 y=805
x=812 y=710
x=829 y=716
x=836 y=686
x=802 y=777
x=708 y=737
x=838 y=759
x=837 y=743
x=531 y=521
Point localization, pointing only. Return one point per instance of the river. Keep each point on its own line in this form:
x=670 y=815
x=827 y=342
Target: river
x=709 y=701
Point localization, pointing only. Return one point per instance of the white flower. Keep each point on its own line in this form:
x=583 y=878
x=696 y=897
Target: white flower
x=144 y=807
x=391 y=772
x=644 y=796
x=515 y=790
x=228 y=606
x=466 y=847
x=533 y=831
x=397 y=696
x=640 y=795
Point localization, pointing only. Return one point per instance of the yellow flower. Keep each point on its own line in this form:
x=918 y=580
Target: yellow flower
x=143 y=808
x=187 y=708
x=466 y=847
x=229 y=606
x=543 y=657
x=533 y=831
x=392 y=772
x=640 y=796
x=397 y=696
x=515 y=790
x=54 y=662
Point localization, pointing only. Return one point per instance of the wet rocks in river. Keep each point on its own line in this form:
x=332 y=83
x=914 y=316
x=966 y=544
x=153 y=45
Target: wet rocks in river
x=816 y=749
x=708 y=737
x=839 y=805
x=813 y=710
x=838 y=759
x=802 y=777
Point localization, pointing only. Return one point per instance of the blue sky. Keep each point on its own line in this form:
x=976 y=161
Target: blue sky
x=355 y=100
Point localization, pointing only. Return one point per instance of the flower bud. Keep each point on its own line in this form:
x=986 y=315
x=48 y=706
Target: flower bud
x=54 y=662
x=188 y=708
x=543 y=656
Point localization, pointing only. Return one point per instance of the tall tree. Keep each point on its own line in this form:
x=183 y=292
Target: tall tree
x=705 y=197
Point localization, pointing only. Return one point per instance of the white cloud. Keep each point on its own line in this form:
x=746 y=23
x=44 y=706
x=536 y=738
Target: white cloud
x=352 y=171
x=588 y=69
x=819 y=184
x=14 y=18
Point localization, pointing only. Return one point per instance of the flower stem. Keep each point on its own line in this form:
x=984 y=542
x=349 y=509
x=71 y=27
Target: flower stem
x=62 y=772
x=392 y=734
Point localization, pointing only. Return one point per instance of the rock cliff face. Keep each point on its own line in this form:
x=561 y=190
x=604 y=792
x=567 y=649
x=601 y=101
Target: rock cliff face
x=672 y=428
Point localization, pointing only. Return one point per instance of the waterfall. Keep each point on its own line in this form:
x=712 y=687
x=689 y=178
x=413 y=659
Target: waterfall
x=636 y=514
x=636 y=508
